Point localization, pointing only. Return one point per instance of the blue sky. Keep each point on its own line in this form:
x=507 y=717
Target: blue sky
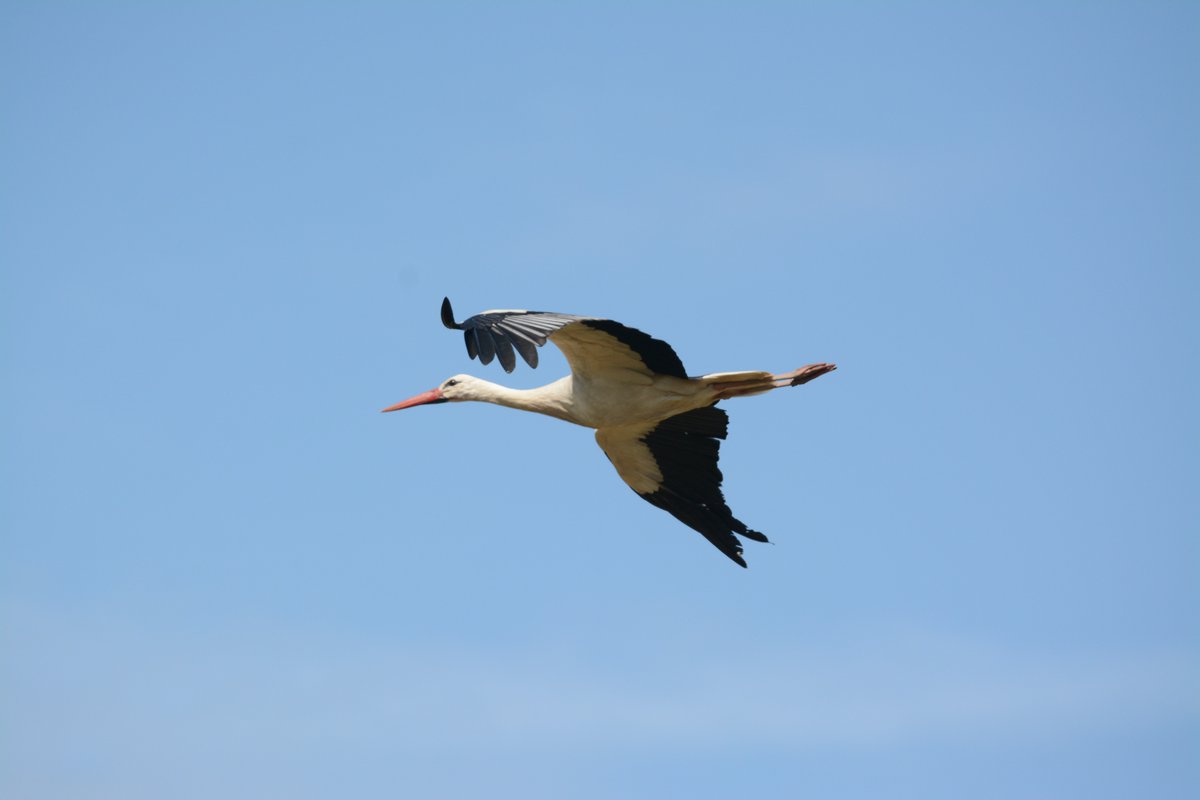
x=226 y=230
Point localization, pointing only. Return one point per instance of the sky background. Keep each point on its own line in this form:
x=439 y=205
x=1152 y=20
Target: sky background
x=225 y=230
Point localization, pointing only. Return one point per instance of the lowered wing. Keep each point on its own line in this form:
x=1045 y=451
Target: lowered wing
x=673 y=464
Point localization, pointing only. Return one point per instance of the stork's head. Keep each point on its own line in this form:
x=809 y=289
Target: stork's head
x=458 y=388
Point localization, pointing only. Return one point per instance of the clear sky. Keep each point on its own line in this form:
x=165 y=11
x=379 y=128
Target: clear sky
x=225 y=229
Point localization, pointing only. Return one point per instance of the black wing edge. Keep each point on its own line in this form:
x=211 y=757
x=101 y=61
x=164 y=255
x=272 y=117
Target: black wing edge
x=503 y=335
x=687 y=448
x=657 y=355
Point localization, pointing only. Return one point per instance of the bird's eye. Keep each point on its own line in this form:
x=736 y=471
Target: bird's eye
x=452 y=382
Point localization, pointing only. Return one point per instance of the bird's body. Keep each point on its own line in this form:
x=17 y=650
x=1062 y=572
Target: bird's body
x=597 y=404
x=658 y=427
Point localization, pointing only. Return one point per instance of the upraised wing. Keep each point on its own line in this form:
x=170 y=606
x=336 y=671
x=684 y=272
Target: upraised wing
x=498 y=333
x=591 y=345
x=673 y=464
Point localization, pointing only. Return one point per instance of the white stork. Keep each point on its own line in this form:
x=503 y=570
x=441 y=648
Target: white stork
x=658 y=427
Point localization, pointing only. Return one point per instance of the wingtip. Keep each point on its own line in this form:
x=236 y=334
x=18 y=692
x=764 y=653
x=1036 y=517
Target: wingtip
x=735 y=555
x=755 y=536
x=448 y=315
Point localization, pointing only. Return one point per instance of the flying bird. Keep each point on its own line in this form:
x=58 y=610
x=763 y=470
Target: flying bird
x=660 y=428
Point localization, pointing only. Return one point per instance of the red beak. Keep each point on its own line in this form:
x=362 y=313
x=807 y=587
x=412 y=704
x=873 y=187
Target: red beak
x=432 y=396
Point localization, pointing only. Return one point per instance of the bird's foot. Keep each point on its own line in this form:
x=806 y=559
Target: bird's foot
x=804 y=374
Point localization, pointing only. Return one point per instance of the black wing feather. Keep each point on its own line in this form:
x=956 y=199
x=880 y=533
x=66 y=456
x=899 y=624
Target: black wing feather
x=504 y=352
x=487 y=347
x=528 y=350
x=687 y=448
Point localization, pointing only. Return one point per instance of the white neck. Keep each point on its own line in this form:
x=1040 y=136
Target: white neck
x=553 y=399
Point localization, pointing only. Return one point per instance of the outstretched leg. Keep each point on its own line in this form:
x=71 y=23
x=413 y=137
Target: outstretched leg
x=803 y=375
x=748 y=383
